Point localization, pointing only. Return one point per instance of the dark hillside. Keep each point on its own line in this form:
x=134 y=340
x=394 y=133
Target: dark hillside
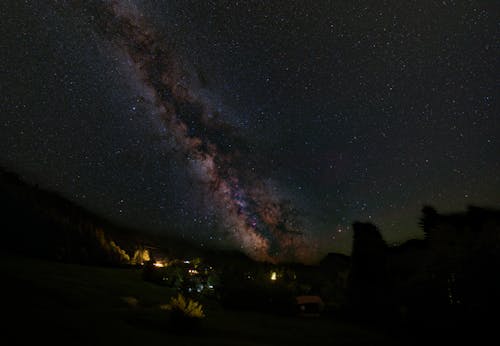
x=42 y=223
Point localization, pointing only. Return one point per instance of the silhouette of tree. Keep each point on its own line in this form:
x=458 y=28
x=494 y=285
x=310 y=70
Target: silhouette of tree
x=367 y=281
x=428 y=220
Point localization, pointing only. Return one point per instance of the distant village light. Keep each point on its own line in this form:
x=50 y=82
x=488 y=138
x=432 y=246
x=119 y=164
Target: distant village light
x=273 y=276
x=158 y=264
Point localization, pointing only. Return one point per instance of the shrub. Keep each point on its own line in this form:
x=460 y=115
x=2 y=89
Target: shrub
x=186 y=307
x=185 y=314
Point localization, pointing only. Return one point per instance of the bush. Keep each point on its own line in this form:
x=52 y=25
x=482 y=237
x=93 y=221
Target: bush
x=185 y=314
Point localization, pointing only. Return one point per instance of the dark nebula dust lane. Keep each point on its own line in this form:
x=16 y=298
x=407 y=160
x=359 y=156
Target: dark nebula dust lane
x=259 y=221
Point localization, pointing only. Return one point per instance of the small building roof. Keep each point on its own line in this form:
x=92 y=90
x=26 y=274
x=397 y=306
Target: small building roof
x=309 y=300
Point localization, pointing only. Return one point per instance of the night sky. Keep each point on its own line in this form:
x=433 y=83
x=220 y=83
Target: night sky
x=268 y=126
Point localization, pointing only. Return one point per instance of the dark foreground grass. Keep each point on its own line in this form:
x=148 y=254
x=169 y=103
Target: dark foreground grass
x=63 y=304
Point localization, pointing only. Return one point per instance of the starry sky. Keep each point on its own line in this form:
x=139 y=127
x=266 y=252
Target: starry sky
x=266 y=126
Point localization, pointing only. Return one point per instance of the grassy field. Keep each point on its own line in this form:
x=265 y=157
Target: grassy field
x=54 y=303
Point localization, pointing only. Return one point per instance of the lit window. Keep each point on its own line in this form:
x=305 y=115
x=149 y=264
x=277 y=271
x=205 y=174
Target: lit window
x=273 y=276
